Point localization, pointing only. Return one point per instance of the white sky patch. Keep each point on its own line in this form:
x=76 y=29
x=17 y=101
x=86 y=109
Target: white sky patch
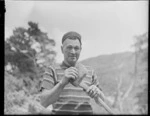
x=8 y=32
x=17 y=13
x=58 y=34
x=105 y=26
x=42 y=28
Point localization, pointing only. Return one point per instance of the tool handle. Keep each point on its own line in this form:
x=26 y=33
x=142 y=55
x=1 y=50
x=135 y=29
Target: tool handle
x=98 y=100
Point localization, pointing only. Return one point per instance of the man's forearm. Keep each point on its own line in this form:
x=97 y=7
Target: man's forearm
x=50 y=96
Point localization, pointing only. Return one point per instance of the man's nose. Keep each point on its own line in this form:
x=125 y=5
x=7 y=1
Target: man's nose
x=73 y=51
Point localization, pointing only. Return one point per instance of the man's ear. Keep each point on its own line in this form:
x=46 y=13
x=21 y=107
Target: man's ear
x=62 y=49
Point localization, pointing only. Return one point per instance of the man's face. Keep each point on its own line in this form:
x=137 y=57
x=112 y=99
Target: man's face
x=71 y=50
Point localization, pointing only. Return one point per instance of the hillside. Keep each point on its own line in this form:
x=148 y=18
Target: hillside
x=109 y=67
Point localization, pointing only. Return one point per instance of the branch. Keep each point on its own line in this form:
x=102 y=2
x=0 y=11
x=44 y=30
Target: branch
x=120 y=82
x=32 y=58
x=128 y=91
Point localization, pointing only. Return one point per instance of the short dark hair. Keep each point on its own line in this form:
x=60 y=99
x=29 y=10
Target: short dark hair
x=71 y=35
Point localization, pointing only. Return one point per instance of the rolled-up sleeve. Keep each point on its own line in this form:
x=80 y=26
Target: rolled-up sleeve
x=47 y=79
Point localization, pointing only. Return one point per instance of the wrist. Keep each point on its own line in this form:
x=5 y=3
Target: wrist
x=63 y=83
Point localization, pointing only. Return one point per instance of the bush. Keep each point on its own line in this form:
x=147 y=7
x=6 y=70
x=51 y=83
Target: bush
x=19 y=99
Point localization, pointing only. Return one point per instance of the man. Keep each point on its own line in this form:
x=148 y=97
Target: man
x=58 y=86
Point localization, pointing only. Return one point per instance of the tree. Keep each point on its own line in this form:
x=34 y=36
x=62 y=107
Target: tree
x=130 y=101
x=23 y=51
x=20 y=50
x=142 y=50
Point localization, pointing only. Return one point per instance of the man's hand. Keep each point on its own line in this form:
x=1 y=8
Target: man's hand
x=93 y=91
x=82 y=72
x=70 y=74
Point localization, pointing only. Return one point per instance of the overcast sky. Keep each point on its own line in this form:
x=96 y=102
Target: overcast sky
x=106 y=27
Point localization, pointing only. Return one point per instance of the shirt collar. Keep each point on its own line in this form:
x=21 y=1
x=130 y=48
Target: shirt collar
x=64 y=65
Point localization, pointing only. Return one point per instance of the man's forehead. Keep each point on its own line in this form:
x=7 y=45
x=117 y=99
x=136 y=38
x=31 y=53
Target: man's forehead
x=74 y=42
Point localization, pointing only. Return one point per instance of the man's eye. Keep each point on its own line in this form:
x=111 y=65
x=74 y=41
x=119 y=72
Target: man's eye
x=69 y=48
x=76 y=48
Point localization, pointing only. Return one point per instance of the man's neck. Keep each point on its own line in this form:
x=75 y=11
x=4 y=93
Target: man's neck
x=67 y=64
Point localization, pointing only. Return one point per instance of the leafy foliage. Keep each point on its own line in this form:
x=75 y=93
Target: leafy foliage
x=20 y=50
x=23 y=51
x=141 y=46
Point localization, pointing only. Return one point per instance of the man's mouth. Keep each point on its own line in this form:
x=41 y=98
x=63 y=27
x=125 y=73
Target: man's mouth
x=72 y=56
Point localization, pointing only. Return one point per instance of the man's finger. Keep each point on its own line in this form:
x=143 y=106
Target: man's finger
x=95 y=95
x=90 y=92
x=74 y=68
x=72 y=76
x=93 y=89
x=94 y=92
x=74 y=71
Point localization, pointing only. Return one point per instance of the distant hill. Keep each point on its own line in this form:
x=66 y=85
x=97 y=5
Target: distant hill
x=109 y=67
